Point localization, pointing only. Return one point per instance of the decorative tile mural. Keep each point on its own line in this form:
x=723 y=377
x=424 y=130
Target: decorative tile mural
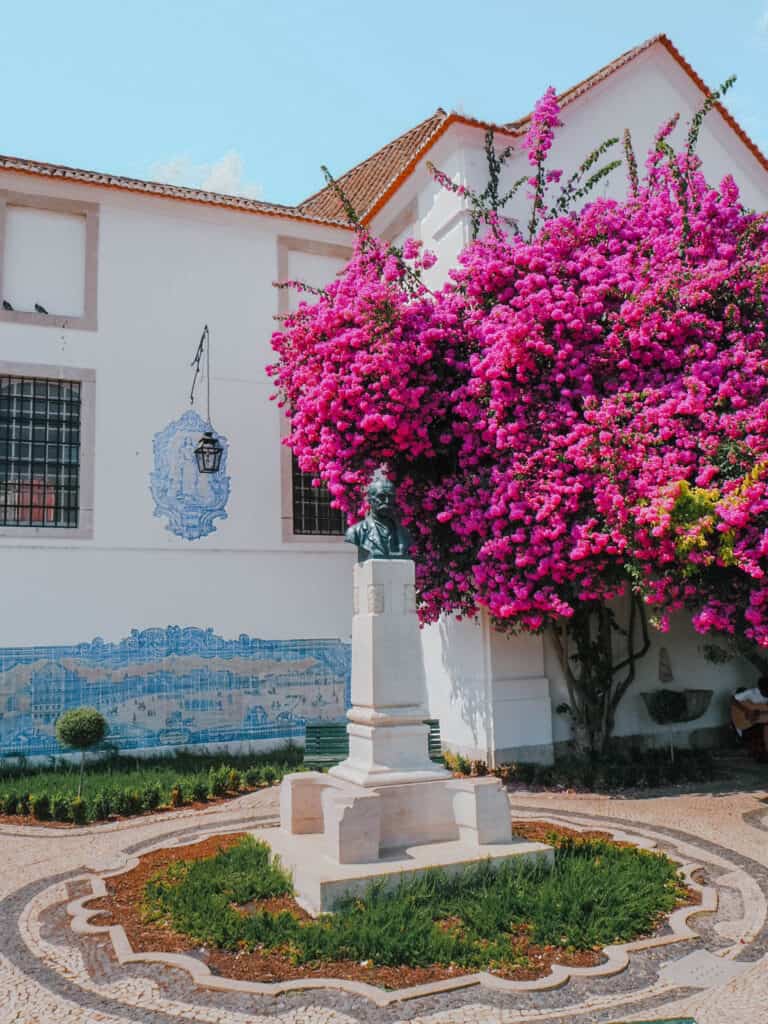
x=190 y=499
x=173 y=687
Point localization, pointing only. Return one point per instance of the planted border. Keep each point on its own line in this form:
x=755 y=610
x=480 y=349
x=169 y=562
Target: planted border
x=123 y=787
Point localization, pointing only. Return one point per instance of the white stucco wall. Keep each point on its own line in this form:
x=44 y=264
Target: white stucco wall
x=165 y=269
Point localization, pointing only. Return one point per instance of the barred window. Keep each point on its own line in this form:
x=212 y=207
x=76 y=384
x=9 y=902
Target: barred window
x=312 y=512
x=40 y=422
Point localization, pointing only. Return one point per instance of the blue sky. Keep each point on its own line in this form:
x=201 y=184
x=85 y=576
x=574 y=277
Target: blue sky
x=254 y=96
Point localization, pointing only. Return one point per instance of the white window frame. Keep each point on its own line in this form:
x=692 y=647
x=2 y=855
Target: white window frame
x=89 y=320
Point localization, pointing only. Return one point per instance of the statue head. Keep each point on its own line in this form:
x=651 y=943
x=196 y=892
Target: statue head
x=381 y=497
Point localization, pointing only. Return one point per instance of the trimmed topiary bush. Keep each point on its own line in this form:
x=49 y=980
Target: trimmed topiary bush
x=81 y=729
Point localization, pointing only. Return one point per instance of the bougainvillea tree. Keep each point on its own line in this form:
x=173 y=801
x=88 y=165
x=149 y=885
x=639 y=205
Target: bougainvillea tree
x=576 y=420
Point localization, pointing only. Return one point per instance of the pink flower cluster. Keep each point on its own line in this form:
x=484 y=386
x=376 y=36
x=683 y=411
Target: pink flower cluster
x=540 y=135
x=569 y=415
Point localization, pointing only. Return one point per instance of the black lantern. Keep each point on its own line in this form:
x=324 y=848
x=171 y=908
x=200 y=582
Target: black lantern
x=208 y=453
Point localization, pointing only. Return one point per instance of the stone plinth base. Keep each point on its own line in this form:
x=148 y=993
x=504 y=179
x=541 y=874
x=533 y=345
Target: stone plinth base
x=320 y=882
x=336 y=836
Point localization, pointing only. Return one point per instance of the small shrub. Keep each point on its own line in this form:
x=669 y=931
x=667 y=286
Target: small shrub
x=125 y=802
x=177 y=795
x=200 y=791
x=100 y=806
x=10 y=804
x=253 y=776
x=40 y=805
x=81 y=728
x=151 y=796
x=79 y=811
x=61 y=808
x=25 y=802
x=134 y=802
x=217 y=781
x=269 y=774
x=234 y=780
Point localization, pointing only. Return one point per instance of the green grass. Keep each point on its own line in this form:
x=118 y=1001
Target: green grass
x=596 y=893
x=126 y=786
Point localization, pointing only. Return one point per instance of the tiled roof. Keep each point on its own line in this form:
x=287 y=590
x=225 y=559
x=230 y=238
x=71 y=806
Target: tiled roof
x=366 y=182
x=371 y=183
x=35 y=167
x=600 y=76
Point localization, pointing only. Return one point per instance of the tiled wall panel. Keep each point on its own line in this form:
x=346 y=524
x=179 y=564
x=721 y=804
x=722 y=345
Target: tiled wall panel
x=173 y=687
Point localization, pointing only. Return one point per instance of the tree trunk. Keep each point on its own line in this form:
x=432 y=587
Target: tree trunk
x=597 y=677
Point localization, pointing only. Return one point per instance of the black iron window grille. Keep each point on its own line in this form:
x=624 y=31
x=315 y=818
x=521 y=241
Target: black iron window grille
x=39 y=452
x=312 y=512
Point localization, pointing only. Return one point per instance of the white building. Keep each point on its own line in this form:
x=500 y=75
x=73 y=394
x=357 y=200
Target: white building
x=233 y=624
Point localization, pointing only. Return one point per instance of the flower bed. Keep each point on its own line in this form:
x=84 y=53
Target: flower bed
x=122 y=787
x=229 y=896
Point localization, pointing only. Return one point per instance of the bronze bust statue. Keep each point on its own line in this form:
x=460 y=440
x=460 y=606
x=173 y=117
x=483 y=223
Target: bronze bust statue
x=380 y=534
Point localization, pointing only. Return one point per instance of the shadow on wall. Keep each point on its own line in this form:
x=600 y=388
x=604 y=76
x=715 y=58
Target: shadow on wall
x=457 y=666
x=675 y=661
x=173 y=687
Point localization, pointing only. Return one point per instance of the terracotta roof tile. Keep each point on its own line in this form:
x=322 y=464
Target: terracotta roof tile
x=35 y=167
x=370 y=184
x=365 y=183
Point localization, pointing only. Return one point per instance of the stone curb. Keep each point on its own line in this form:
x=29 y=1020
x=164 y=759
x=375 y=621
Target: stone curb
x=617 y=956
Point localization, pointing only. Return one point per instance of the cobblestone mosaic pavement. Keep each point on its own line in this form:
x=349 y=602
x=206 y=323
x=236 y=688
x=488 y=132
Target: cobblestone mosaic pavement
x=50 y=975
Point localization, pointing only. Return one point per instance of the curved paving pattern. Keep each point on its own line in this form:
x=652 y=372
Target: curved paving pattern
x=718 y=973
x=616 y=956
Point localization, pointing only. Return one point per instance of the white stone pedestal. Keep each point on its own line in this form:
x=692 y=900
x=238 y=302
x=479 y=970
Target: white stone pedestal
x=387 y=735
x=387 y=811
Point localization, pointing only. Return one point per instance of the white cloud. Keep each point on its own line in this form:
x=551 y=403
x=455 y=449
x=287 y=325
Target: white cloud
x=224 y=175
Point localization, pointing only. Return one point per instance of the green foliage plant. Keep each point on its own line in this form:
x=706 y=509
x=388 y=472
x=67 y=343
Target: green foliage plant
x=595 y=893
x=79 y=811
x=61 y=808
x=119 y=785
x=41 y=807
x=82 y=729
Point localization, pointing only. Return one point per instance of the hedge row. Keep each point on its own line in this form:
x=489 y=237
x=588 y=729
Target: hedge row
x=111 y=800
x=636 y=769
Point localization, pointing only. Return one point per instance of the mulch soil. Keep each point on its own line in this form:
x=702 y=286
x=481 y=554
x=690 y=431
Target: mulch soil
x=126 y=893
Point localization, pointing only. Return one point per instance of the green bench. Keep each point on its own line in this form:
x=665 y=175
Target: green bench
x=327 y=743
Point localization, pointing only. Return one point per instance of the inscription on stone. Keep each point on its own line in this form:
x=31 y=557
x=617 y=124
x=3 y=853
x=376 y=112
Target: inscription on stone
x=376 y=599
